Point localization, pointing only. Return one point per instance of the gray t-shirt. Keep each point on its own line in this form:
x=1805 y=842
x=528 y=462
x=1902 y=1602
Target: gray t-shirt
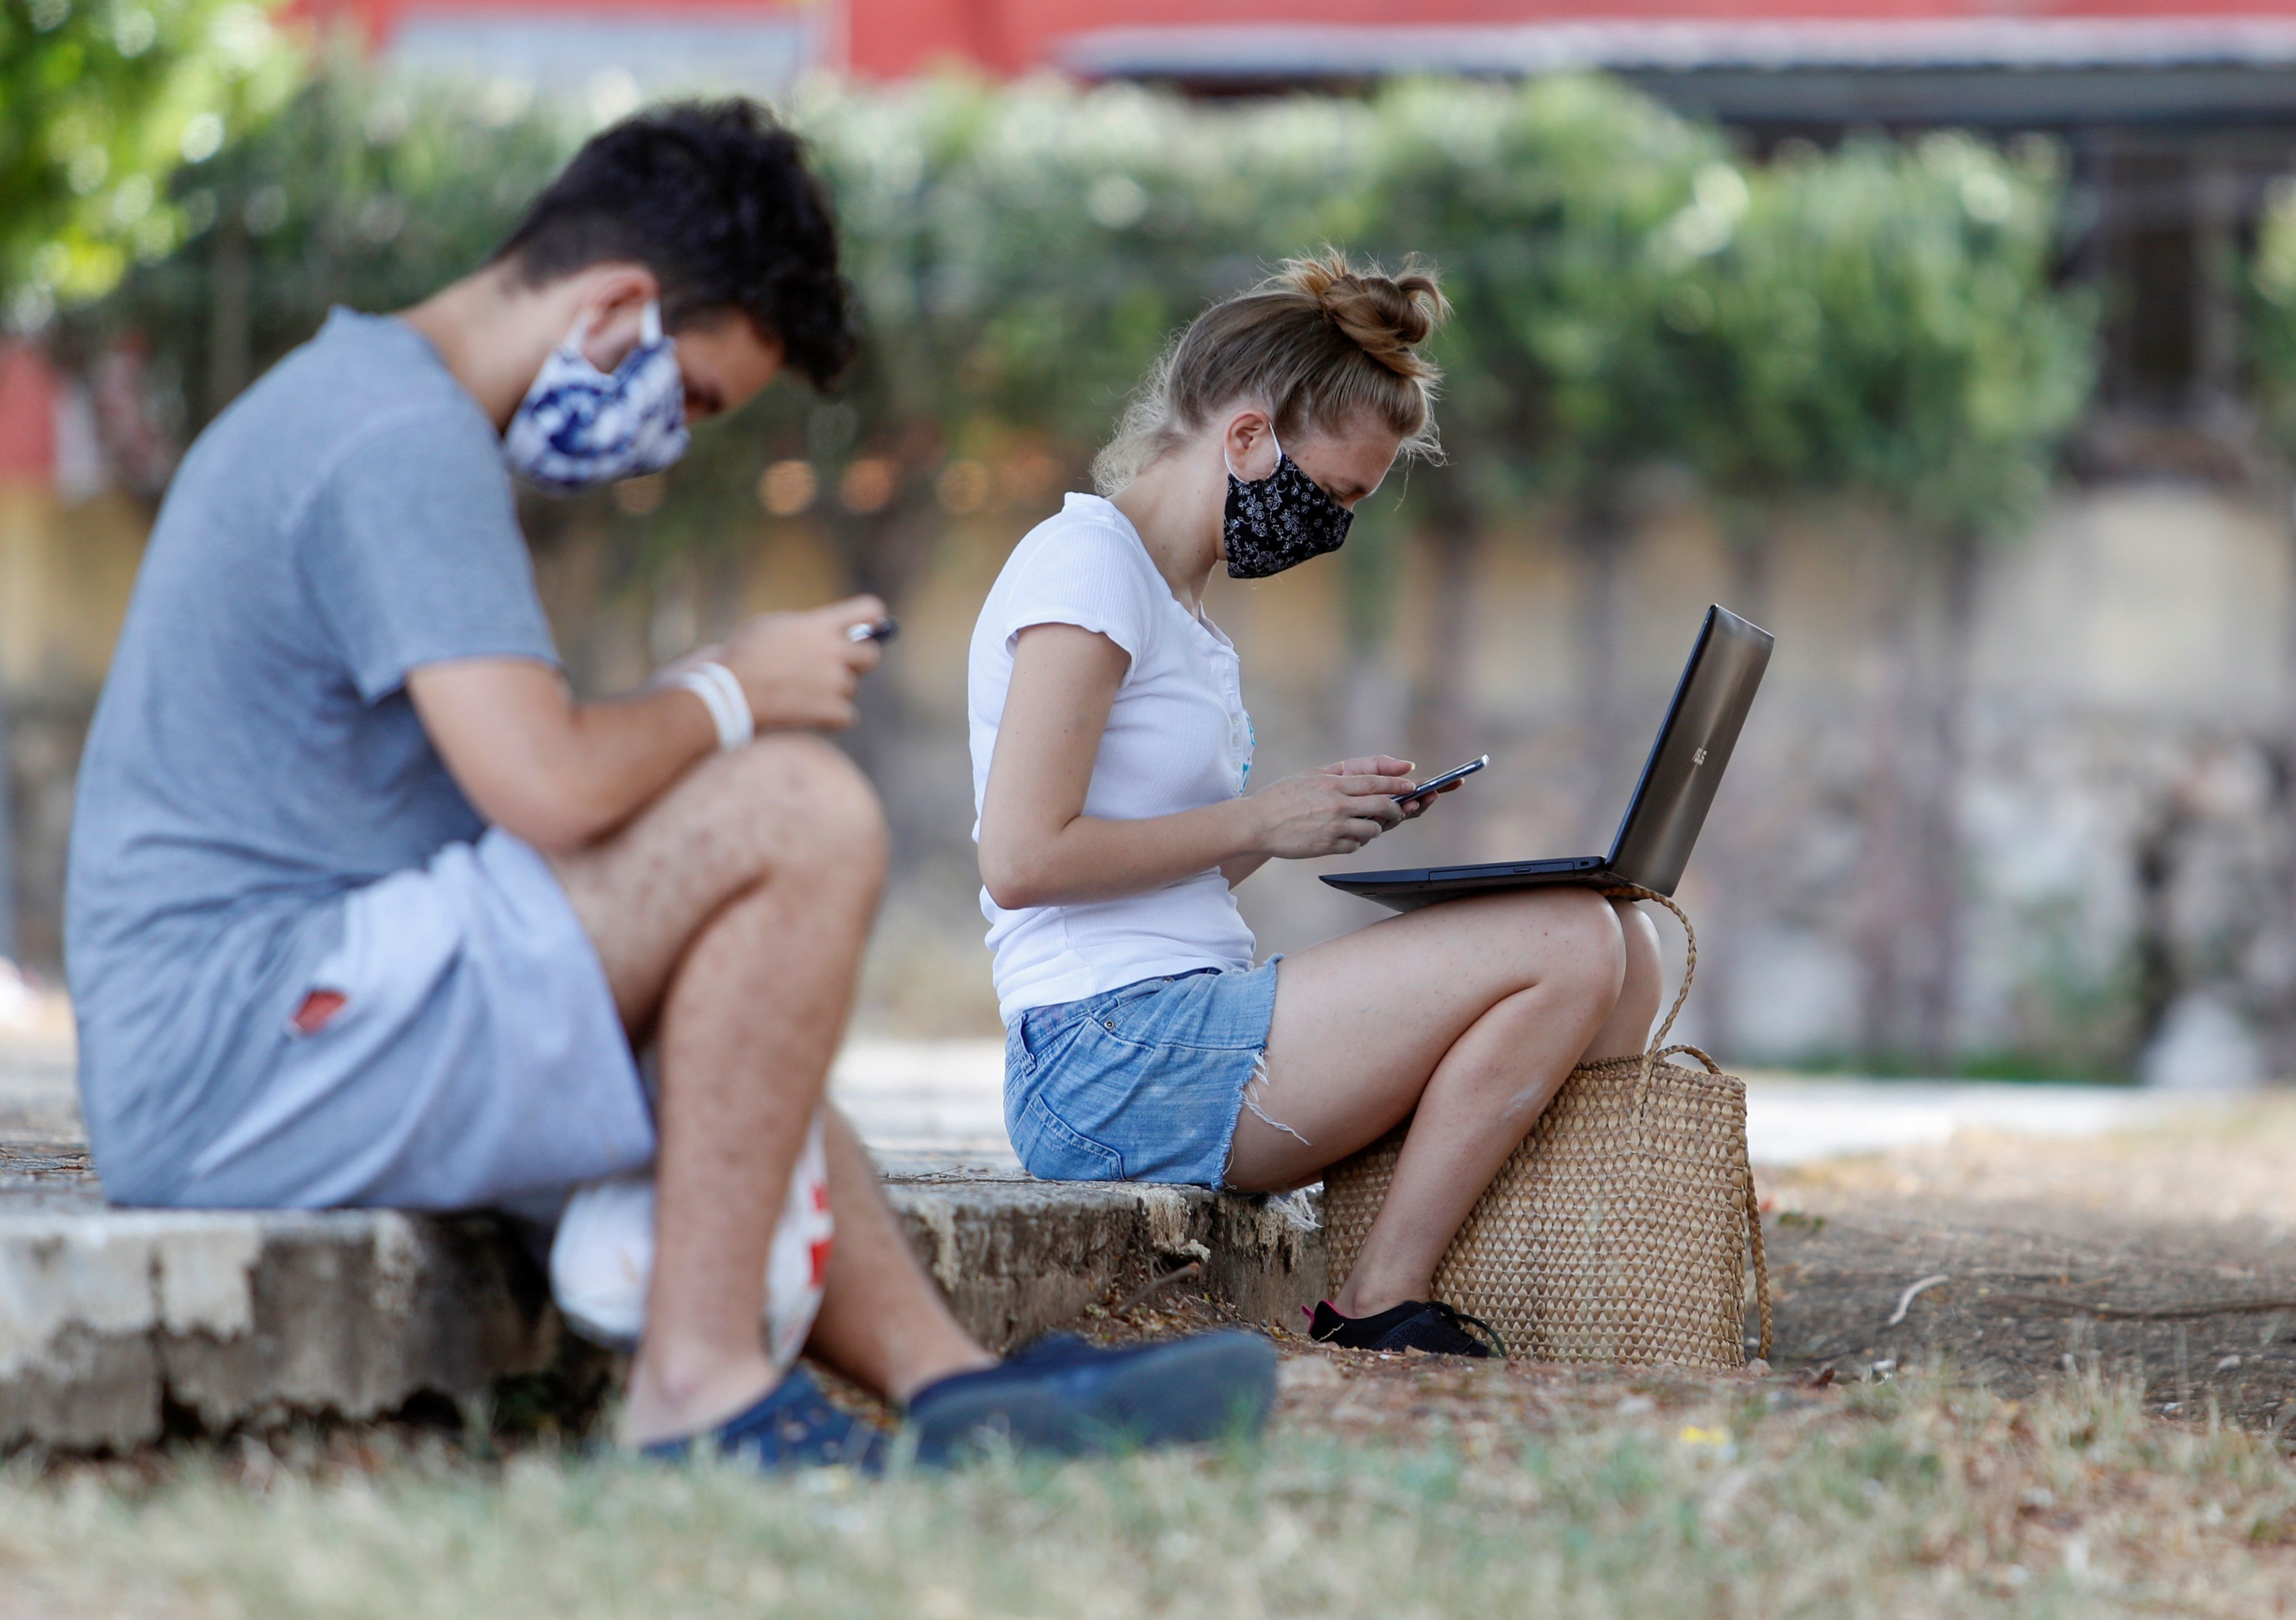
x=255 y=755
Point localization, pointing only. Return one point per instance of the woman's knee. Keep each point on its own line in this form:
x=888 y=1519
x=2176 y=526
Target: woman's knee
x=1592 y=949
x=1643 y=980
x=1569 y=940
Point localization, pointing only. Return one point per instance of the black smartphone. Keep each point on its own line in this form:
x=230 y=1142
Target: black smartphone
x=876 y=629
x=1436 y=784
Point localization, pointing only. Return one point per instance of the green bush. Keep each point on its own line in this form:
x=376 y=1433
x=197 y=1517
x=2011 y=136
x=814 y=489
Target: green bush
x=1918 y=352
x=100 y=101
x=2271 y=326
x=352 y=193
x=1880 y=320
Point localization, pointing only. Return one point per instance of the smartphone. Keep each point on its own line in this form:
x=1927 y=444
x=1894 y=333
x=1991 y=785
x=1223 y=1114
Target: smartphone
x=1436 y=784
x=876 y=629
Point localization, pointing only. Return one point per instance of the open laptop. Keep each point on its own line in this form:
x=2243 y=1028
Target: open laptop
x=1669 y=805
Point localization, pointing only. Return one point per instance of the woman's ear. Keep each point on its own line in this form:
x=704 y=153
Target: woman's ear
x=1249 y=444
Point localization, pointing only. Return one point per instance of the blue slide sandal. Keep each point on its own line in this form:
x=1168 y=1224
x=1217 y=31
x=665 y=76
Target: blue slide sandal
x=1062 y=1395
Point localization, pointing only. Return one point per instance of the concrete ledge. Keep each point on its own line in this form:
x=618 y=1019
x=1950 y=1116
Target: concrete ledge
x=1018 y=1257
x=120 y=1325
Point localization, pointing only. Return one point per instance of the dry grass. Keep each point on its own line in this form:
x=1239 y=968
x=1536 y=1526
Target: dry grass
x=1498 y=1494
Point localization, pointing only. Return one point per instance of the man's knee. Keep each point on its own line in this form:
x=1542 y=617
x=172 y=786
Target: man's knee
x=812 y=806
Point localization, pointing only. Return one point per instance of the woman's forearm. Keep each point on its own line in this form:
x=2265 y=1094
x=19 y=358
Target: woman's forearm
x=1092 y=857
x=1238 y=868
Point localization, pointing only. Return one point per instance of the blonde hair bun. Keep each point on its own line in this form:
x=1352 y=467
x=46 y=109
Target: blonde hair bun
x=1321 y=344
x=1387 y=316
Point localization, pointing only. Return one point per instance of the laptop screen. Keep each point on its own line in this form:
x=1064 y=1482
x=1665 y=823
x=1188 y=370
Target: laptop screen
x=1686 y=764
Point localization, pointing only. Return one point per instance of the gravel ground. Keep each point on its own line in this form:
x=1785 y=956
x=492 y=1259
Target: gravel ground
x=2159 y=1257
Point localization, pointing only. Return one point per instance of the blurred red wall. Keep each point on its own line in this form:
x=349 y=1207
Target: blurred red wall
x=892 y=38
x=27 y=413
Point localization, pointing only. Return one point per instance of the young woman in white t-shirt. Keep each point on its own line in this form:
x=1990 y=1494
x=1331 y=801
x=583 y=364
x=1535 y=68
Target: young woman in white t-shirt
x=1111 y=756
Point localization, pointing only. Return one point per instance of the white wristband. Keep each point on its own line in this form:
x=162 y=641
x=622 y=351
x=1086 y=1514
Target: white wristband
x=720 y=691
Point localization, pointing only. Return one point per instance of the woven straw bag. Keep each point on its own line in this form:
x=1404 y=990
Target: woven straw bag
x=1618 y=1230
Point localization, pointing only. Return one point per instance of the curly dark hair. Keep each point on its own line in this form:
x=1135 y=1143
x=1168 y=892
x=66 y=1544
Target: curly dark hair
x=714 y=199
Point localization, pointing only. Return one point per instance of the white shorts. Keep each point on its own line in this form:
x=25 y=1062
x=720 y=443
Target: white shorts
x=475 y=1061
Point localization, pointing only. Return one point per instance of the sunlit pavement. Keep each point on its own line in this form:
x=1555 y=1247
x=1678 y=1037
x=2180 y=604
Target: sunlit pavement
x=946 y=1097
x=1794 y=1120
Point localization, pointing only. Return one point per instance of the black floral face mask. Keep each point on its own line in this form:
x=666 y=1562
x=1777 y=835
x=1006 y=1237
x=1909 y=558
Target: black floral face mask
x=1279 y=521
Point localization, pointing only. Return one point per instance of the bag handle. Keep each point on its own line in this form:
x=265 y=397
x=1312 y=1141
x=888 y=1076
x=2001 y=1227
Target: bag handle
x=1689 y=967
x=1653 y=1053
x=1689 y=973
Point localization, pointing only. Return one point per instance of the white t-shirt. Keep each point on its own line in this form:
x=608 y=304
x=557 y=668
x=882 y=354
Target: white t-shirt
x=1177 y=739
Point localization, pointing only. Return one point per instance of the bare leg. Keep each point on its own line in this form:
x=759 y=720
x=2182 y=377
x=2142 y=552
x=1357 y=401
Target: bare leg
x=1628 y=1029
x=730 y=916
x=1464 y=1018
x=882 y=1323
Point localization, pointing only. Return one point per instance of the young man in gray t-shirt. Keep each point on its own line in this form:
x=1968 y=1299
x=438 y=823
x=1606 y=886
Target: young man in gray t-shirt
x=364 y=909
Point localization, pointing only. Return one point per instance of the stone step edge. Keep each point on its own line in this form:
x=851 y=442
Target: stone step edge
x=120 y=1325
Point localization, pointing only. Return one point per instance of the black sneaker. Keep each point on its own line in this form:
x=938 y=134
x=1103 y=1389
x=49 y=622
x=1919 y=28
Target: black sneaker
x=1415 y=1324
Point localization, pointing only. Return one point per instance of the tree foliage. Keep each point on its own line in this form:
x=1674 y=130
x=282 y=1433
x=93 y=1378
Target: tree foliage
x=2271 y=325
x=1880 y=320
x=1569 y=217
x=1906 y=342
x=354 y=192
x=100 y=102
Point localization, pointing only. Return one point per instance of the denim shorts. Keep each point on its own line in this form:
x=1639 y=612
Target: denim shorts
x=1138 y=1084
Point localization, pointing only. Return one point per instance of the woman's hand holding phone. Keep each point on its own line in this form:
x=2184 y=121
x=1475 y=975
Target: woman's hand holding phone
x=1333 y=810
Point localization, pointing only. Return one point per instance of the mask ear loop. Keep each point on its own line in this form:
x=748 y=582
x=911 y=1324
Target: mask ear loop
x=650 y=334
x=1229 y=462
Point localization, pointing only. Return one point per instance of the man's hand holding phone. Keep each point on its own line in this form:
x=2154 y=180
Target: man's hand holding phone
x=804 y=670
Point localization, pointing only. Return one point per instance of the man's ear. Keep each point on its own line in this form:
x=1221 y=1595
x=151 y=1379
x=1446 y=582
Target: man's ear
x=613 y=306
x=1250 y=442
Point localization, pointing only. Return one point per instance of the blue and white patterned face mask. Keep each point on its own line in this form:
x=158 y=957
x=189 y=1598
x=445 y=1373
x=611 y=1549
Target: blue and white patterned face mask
x=580 y=426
